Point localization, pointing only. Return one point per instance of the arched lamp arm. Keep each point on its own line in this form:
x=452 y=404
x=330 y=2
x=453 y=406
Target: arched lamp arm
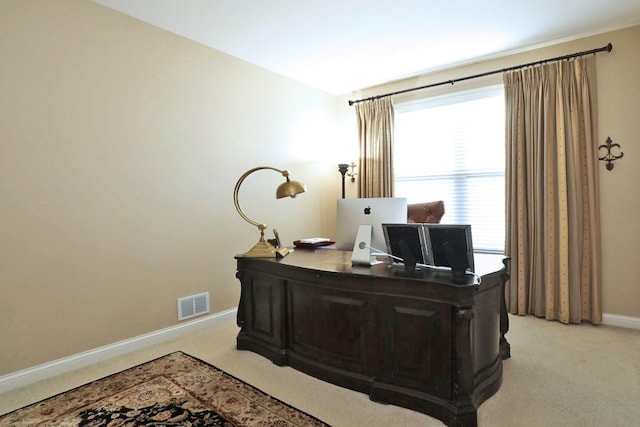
x=236 y=190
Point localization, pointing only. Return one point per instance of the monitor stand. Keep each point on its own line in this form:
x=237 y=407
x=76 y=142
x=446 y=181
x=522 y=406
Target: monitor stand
x=361 y=254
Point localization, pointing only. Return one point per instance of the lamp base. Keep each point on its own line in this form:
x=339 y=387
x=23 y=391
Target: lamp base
x=264 y=249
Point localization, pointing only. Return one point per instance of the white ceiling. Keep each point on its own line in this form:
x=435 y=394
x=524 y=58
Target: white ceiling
x=344 y=45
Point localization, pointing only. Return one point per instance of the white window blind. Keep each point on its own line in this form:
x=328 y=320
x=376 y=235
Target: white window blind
x=452 y=148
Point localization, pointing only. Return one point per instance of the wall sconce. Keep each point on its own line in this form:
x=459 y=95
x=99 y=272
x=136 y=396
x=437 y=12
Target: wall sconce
x=610 y=157
x=353 y=172
x=344 y=170
x=264 y=249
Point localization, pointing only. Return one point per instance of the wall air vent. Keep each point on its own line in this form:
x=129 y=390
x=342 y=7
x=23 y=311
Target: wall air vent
x=193 y=305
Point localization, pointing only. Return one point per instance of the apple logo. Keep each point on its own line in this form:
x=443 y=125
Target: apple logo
x=367 y=210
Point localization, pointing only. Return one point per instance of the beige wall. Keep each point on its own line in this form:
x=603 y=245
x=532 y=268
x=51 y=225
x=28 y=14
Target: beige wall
x=619 y=108
x=120 y=145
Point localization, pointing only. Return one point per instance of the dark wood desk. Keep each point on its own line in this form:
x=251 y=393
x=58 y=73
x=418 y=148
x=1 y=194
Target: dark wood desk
x=420 y=340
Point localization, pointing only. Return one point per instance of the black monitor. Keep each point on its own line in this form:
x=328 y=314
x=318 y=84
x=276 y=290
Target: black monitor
x=407 y=243
x=450 y=245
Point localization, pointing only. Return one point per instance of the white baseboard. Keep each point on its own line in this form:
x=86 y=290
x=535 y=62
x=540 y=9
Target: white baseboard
x=622 y=321
x=50 y=369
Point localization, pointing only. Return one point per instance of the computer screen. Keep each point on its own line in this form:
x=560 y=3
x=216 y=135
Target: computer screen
x=351 y=213
x=406 y=241
x=450 y=245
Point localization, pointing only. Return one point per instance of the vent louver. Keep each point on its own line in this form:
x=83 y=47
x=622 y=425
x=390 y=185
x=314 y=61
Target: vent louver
x=193 y=305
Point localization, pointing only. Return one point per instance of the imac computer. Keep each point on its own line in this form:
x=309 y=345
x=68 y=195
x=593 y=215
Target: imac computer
x=351 y=213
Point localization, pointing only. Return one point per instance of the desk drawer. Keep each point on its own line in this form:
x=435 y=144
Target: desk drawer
x=332 y=326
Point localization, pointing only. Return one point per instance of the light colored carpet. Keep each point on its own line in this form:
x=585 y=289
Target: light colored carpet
x=559 y=375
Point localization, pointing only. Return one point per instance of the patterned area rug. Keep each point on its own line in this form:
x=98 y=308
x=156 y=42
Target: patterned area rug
x=174 y=390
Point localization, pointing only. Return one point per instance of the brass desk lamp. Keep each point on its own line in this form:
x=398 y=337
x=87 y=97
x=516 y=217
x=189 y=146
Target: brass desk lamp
x=264 y=249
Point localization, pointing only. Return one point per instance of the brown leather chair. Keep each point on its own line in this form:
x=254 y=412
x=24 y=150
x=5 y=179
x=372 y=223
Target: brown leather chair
x=430 y=212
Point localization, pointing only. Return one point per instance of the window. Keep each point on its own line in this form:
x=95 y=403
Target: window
x=452 y=148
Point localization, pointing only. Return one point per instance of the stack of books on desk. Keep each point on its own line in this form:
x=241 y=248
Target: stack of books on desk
x=313 y=242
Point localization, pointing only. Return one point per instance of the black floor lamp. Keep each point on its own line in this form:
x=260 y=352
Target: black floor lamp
x=343 y=168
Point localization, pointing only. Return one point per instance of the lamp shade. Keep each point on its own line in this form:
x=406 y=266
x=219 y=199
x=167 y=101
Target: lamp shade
x=290 y=189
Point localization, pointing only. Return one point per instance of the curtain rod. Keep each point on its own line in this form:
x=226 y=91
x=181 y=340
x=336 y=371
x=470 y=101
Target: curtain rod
x=608 y=48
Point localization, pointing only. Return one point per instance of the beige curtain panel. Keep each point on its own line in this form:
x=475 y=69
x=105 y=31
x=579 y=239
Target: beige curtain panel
x=375 y=130
x=553 y=223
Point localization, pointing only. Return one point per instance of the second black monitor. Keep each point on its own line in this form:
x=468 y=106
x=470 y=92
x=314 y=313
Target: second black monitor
x=450 y=245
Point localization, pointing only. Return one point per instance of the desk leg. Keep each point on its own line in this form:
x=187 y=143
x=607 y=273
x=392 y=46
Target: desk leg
x=240 y=317
x=505 y=347
x=463 y=386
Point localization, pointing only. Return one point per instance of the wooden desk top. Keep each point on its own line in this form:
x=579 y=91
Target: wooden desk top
x=337 y=261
